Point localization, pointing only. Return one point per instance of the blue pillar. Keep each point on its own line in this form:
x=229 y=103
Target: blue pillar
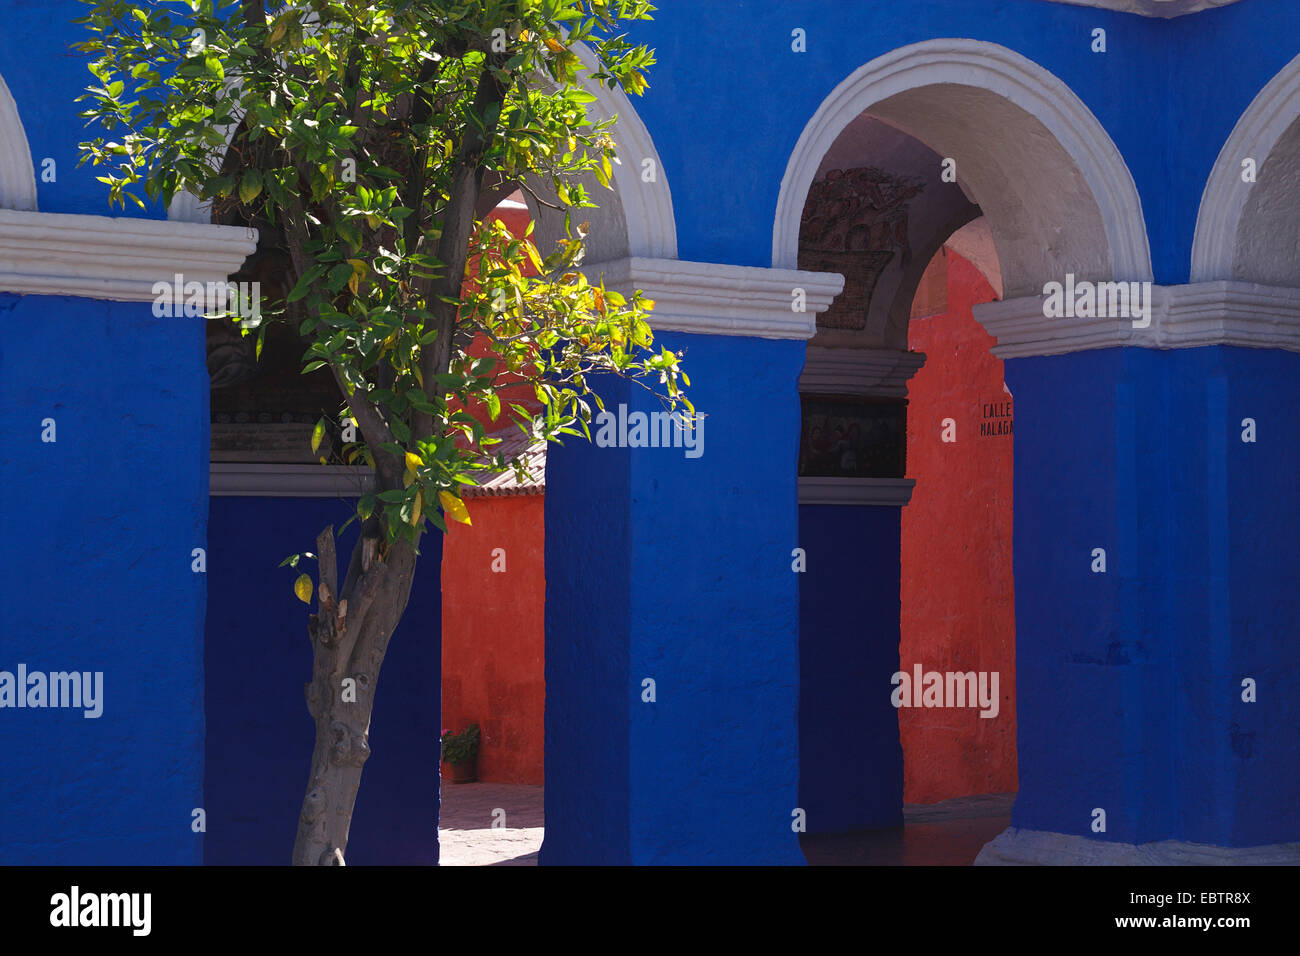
x=1130 y=681
x=850 y=757
x=675 y=569
x=96 y=577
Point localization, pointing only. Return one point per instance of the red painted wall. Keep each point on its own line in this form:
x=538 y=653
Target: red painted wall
x=494 y=635
x=958 y=598
x=493 y=623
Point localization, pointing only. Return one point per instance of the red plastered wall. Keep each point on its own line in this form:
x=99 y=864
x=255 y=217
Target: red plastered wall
x=494 y=635
x=958 y=598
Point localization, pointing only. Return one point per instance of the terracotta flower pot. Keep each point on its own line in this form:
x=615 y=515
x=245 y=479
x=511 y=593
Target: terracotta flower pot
x=464 y=772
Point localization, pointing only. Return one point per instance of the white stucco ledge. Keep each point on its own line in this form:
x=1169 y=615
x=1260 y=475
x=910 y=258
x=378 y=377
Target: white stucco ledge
x=862 y=492
x=1152 y=8
x=1015 y=847
x=1185 y=316
x=715 y=299
x=113 y=258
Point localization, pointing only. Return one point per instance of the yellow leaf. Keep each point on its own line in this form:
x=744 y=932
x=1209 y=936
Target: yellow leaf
x=554 y=45
x=358 y=270
x=453 y=507
x=599 y=298
x=302 y=588
x=413 y=461
x=419 y=506
x=533 y=257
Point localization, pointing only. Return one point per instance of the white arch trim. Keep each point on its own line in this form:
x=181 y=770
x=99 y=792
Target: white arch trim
x=1269 y=115
x=17 y=175
x=647 y=206
x=989 y=66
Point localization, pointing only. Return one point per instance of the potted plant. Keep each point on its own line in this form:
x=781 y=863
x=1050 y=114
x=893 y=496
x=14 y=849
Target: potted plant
x=460 y=753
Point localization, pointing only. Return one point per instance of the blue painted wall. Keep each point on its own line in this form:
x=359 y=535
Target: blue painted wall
x=589 y=688
x=97 y=530
x=1239 y=762
x=725 y=142
x=749 y=127
x=1129 y=682
x=678 y=570
x=850 y=757
x=45 y=76
x=258 y=657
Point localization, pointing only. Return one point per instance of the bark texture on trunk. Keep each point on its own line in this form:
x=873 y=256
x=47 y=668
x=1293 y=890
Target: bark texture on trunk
x=349 y=635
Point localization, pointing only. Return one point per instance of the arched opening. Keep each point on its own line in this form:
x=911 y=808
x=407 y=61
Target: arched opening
x=934 y=178
x=17 y=175
x=1247 y=229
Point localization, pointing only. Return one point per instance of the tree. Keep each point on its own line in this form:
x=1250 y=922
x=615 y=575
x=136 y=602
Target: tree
x=363 y=135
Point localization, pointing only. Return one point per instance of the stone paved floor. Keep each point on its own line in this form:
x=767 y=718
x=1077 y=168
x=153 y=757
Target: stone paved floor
x=940 y=834
x=465 y=832
x=950 y=833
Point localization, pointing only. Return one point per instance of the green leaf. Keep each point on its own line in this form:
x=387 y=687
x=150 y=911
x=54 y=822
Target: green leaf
x=250 y=186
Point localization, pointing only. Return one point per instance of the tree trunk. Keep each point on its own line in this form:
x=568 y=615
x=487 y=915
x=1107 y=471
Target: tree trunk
x=349 y=635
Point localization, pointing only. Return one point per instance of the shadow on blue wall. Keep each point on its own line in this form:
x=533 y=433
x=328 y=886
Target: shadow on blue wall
x=850 y=758
x=257 y=659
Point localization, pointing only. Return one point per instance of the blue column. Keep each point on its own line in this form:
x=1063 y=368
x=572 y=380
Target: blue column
x=1129 y=681
x=850 y=757
x=677 y=569
x=95 y=577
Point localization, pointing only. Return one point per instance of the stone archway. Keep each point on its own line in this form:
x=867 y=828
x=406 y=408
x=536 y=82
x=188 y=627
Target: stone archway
x=1058 y=199
x=17 y=175
x=1059 y=163
x=1247 y=228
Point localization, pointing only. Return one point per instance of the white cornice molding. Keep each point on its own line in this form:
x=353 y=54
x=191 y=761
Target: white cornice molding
x=1152 y=8
x=861 y=492
x=872 y=372
x=100 y=257
x=714 y=299
x=1185 y=316
x=288 y=481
